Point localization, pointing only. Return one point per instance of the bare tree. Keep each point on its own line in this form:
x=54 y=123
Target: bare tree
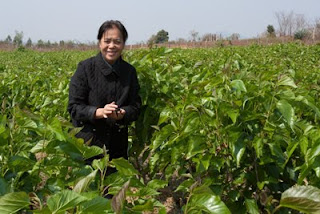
x=209 y=37
x=300 y=22
x=194 y=35
x=290 y=23
x=234 y=36
x=285 y=22
x=316 y=30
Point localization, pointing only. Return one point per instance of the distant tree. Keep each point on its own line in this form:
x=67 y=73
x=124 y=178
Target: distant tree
x=162 y=37
x=271 y=31
x=209 y=37
x=8 y=39
x=290 y=23
x=29 y=43
x=61 y=43
x=194 y=35
x=316 y=30
x=234 y=36
x=40 y=44
x=300 y=22
x=17 y=39
x=152 y=40
x=301 y=34
x=181 y=40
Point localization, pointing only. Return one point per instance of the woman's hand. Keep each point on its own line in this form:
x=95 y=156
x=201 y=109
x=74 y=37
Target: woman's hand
x=110 y=111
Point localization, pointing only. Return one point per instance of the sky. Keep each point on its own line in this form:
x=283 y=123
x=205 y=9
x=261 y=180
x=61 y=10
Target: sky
x=79 y=20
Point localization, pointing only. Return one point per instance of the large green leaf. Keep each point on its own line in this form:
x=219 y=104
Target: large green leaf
x=101 y=164
x=238 y=85
x=207 y=202
x=56 y=128
x=252 y=207
x=83 y=184
x=196 y=145
x=161 y=136
x=164 y=115
x=95 y=206
x=286 y=81
x=124 y=167
x=4 y=187
x=287 y=111
x=303 y=198
x=91 y=151
x=64 y=200
x=13 y=202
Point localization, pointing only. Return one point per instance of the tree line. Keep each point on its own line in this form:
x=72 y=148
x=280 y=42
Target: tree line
x=289 y=25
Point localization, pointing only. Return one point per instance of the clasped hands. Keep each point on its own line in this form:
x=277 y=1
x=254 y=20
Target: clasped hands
x=110 y=110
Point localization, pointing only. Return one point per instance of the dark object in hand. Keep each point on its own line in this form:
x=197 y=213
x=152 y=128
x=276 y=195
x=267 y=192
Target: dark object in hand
x=117 y=111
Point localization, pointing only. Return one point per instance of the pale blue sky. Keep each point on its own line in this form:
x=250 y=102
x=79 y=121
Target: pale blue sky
x=80 y=19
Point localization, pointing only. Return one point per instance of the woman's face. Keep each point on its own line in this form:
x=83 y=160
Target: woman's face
x=111 y=45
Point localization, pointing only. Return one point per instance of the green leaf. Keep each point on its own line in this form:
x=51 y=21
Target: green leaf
x=4 y=187
x=40 y=146
x=28 y=123
x=148 y=206
x=96 y=205
x=55 y=127
x=252 y=207
x=13 y=202
x=286 y=81
x=238 y=85
x=315 y=151
x=161 y=136
x=64 y=200
x=207 y=202
x=305 y=199
x=4 y=134
x=233 y=114
x=196 y=145
x=258 y=146
x=91 y=151
x=164 y=115
x=290 y=149
x=238 y=147
x=157 y=184
x=176 y=68
x=185 y=185
x=287 y=112
x=309 y=103
x=83 y=184
x=101 y=164
x=124 y=167
x=191 y=125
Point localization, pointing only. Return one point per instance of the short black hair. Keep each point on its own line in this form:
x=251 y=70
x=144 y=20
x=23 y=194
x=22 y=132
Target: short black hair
x=111 y=24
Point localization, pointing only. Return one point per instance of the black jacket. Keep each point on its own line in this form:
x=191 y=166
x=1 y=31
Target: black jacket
x=95 y=84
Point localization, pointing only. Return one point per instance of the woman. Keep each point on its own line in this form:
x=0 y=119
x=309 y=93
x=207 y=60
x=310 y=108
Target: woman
x=103 y=93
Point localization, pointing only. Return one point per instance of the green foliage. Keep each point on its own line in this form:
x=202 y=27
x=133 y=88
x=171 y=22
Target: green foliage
x=306 y=199
x=301 y=34
x=222 y=130
x=161 y=37
x=271 y=31
x=17 y=39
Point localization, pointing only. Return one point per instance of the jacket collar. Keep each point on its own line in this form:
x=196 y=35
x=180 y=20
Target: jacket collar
x=106 y=68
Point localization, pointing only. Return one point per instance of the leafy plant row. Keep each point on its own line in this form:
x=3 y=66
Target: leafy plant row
x=224 y=130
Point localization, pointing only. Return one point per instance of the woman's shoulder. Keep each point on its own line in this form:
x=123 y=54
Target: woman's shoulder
x=88 y=62
x=127 y=65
